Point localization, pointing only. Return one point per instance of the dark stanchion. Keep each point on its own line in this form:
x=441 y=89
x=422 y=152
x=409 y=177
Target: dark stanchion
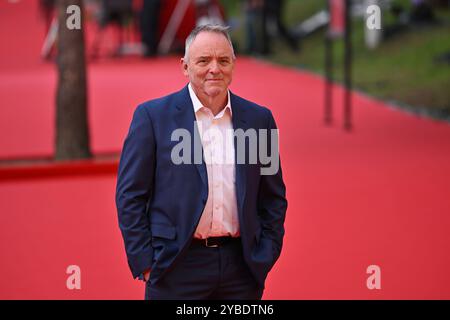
x=348 y=67
x=328 y=112
x=339 y=26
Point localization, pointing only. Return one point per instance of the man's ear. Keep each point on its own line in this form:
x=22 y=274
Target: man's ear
x=184 y=67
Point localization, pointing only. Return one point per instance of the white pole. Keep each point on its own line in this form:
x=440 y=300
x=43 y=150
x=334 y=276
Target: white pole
x=172 y=26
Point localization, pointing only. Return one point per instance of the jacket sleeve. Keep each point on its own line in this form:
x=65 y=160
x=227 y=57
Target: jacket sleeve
x=272 y=203
x=134 y=190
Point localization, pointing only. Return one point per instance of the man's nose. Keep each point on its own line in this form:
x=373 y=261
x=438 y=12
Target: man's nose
x=214 y=67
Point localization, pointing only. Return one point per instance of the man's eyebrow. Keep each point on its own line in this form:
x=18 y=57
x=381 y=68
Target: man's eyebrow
x=209 y=57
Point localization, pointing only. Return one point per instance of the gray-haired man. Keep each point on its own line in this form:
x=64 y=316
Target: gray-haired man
x=208 y=230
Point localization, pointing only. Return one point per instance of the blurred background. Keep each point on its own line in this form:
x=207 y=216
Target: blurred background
x=371 y=194
x=408 y=64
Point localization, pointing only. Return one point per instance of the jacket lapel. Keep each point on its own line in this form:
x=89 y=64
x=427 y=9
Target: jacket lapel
x=239 y=122
x=185 y=118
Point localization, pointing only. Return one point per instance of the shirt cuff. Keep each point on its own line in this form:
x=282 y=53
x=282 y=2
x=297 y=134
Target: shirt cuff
x=141 y=277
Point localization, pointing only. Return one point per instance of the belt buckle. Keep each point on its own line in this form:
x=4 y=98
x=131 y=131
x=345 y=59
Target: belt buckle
x=210 y=246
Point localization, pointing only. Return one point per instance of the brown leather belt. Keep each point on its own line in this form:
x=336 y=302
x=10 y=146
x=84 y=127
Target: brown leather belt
x=214 y=242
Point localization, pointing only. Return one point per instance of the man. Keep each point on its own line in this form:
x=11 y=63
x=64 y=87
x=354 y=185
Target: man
x=273 y=10
x=201 y=228
x=149 y=26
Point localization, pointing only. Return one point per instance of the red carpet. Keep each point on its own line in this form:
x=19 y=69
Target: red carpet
x=378 y=195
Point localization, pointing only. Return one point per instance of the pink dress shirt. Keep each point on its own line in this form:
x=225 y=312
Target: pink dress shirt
x=220 y=216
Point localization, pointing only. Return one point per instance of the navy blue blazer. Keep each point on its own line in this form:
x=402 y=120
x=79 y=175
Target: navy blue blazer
x=159 y=203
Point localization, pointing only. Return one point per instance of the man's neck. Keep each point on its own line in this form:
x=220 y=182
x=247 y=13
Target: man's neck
x=216 y=103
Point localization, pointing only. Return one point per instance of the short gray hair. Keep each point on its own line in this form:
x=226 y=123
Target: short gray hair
x=216 y=28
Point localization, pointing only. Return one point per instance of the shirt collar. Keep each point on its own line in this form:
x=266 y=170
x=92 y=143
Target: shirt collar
x=198 y=105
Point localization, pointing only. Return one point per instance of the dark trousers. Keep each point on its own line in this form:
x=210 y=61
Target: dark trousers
x=207 y=273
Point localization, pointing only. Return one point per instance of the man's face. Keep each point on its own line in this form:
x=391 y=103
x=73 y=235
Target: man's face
x=210 y=64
